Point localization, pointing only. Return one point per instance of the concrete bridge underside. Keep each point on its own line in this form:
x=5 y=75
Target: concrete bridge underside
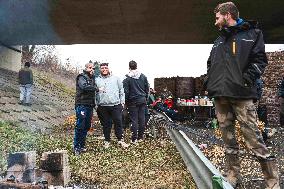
x=43 y=22
x=27 y=22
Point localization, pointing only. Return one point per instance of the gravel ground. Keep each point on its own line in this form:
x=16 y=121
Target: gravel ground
x=213 y=149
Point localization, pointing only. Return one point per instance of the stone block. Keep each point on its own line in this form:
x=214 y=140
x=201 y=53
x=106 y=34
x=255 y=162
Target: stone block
x=22 y=119
x=54 y=161
x=22 y=166
x=13 y=101
x=5 y=109
x=28 y=159
x=11 y=185
x=57 y=178
x=5 y=99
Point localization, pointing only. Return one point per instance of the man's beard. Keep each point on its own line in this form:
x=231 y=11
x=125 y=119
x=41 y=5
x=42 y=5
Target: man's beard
x=105 y=74
x=89 y=74
x=223 y=24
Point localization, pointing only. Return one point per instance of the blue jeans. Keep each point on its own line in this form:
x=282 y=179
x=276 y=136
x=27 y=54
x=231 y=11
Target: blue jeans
x=137 y=117
x=26 y=91
x=83 y=123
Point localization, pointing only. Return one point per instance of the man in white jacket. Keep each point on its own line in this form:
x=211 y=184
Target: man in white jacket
x=110 y=101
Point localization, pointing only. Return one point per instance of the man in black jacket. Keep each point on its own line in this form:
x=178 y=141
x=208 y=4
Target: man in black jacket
x=136 y=89
x=84 y=104
x=236 y=60
x=26 y=84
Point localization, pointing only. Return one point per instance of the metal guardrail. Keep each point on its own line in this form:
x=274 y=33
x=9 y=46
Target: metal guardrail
x=201 y=169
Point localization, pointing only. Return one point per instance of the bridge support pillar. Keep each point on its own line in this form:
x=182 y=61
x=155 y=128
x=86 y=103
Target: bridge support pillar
x=10 y=58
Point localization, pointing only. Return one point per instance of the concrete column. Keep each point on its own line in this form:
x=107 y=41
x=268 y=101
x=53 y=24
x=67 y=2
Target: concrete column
x=10 y=59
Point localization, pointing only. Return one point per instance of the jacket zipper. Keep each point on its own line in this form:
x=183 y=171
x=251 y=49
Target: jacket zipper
x=234 y=47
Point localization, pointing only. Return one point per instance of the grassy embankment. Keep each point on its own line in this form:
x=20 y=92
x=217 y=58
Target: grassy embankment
x=151 y=164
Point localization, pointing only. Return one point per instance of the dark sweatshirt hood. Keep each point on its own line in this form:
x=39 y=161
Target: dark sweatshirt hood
x=134 y=74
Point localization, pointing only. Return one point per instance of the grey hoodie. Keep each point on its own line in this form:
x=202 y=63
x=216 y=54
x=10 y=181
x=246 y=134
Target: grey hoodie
x=110 y=92
x=134 y=74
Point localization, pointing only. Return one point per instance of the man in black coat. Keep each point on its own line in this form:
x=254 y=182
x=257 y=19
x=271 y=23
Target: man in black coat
x=26 y=84
x=84 y=105
x=136 y=89
x=236 y=60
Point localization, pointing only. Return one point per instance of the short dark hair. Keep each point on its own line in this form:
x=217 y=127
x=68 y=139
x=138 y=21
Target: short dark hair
x=104 y=64
x=27 y=64
x=228 y=7
x=132 y=65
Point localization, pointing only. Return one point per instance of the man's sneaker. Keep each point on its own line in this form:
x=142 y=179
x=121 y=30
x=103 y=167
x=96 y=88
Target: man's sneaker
x=106 y=144
x=83 y=150
x=135 y=142
x=122 y=144
x=77 y=152
x=21 y=102
x=100 y=137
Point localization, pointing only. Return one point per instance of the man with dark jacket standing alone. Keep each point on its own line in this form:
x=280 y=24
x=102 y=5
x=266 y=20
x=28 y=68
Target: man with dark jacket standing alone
x=236 y=60
x=84 y=104
x=26 y=84
x=136 y=89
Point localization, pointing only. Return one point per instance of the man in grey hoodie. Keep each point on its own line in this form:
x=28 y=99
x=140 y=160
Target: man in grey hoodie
x=136 y=88
x=110 y=101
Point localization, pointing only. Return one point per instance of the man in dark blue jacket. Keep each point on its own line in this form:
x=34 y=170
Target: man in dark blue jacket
x=136 y=89
x=84 y=104
x=236 y=60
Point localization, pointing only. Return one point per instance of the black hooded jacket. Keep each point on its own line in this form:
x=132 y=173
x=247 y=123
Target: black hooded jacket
x=136 y=89
x=236 y=60
x=25 y=76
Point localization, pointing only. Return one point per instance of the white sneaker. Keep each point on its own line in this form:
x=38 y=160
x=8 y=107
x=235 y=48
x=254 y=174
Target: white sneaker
x=135 y=142
x=101 y=137
x=122 y=144
x=106 y=144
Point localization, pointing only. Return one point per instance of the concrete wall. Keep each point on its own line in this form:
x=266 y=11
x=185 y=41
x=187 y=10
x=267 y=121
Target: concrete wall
x=10 y=59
